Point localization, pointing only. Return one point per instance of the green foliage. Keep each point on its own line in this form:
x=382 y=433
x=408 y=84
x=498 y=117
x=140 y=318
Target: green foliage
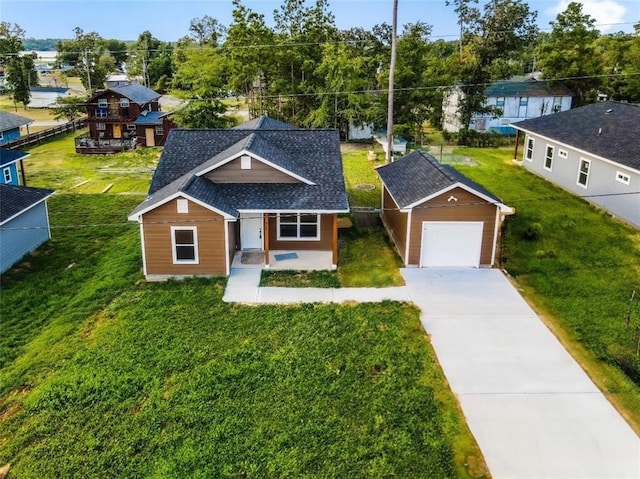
x=203 y=114
x=299 y=279
x=69 y=107
x=19 y=70
x=151 y=59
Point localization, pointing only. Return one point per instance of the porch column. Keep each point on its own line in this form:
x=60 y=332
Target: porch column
x=334 y=260
x=265 y=232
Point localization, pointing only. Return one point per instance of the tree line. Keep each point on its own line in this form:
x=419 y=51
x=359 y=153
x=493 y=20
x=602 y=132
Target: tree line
x=304 y=70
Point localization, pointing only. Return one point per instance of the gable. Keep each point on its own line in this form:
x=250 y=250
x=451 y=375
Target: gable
x=248 y=169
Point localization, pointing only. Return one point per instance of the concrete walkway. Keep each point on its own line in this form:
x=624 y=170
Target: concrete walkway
x=532 y=409
x=242 y=287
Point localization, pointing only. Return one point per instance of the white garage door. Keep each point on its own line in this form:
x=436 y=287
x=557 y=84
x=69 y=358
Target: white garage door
x=451 y=243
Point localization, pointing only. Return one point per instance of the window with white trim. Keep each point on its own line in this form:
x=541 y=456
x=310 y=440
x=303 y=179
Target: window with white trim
x=548 y=158
x=500 y=102
x=623 y=178
x=131 y=127
x=583 y=172
x=563 y=154
x=184 y=243
x=101 y=126
x=182 y=205
x=102 y=103
x=159 y=130
x=124 y=102
x=528 y=154
x=302 y=227
x=245 y=162
x=557 y=104
x=6 y=174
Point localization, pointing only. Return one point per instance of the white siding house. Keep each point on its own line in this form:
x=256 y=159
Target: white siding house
x=517 y=99
x=592 y=151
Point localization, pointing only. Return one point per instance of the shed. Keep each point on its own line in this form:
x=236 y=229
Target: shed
x=45 y=97
x=438 y=217
x=24 y=222
x=10 y=124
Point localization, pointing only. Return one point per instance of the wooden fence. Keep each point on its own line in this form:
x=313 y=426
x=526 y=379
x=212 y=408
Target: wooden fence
x=40 y=136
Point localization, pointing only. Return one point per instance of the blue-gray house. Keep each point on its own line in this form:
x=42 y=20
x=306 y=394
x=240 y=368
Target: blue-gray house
x=24 y=222
x=11 y=169
x=10 y=124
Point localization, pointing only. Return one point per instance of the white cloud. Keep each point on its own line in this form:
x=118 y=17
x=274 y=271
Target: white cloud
x=605 y=12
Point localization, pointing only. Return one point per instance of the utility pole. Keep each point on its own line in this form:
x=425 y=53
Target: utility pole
x=392 y=71
x=88 y=65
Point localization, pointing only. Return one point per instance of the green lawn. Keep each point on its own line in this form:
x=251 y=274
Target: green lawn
x=577 y=265
x=105 y=375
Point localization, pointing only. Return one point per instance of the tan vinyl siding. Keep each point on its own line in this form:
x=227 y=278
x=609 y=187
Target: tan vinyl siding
x=469 y=207
x=158 y=248
x=395 y=222
x=325 y=242
x=259 y=173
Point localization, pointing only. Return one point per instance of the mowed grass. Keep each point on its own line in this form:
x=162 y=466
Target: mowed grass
x=578 y=266
x=105 y=375
x=56 y=165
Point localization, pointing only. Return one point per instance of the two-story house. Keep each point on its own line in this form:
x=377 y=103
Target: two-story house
x=517 y=99
x=122 y=118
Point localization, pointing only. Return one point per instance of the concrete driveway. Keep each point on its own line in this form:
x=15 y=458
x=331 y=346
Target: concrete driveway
x=532 y=409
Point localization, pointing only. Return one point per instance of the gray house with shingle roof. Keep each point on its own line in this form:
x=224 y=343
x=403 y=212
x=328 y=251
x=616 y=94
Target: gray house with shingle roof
x=438 y=217
x=518 y=99
x=24 y=222
x=592 y=151
x=264 y=187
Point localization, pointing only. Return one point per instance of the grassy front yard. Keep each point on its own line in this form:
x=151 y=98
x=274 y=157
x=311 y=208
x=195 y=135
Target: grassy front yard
x=578 y=266
x=104 y=375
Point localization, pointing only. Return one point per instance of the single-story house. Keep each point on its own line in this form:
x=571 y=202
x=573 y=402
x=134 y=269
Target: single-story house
x=45 y=97
x=11 y=167
x=438 y=217
x=24 y=222
x=10 y=124
x=592 y=151
x=262 y=187
x=517 y=98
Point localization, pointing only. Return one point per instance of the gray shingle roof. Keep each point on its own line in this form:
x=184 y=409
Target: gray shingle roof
x=419 y=175
x=311 y=154
x=14 y=199
x=136 y=93
x=608 y=129
x=530 y=87
x=10 y=156
x=10 y=121
x=265 y=123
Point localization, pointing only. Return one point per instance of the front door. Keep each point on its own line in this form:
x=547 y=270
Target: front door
x=251 y=231
x=117 y=131
x=150 y=137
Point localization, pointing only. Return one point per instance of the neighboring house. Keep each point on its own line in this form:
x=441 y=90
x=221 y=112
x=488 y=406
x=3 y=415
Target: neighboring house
x=45 y=97
x=592 y=151
x=24 y=222
x=517 y=99
x=438 y=217
x=11 y=167
x=122 y=118
x=358 y=132
x=264 y=186
x=116 y=80
x=10 y=124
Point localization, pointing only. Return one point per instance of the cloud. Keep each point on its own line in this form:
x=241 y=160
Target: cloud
x=605 y=12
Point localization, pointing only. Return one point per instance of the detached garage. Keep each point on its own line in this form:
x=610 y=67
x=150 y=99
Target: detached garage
x=436 y=216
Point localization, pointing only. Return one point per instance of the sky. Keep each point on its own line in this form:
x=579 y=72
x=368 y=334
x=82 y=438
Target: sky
x=168 y=20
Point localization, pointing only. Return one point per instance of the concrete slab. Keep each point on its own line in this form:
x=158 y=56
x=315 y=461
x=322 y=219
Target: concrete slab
x=242 y=285
x=294 y=295
x=532 y=409
x=371 y=295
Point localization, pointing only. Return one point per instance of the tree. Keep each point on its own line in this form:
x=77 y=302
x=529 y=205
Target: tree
x=570 y=55
x=69 y=108
x=202 y=114
x=207 y=31
x=19 y=69
x=151 y=59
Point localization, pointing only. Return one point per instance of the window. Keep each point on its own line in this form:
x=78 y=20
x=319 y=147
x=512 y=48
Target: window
x=101 y=126
x=184 y=240
x=500 y=102
x=563 y=154
x=102 y=103
x=124 y=102
x=557 y=104
x=101 y=113
x=159 y=130
x=131 y=127
x=524 y=101
x=245 y=162
x=528 y=154
x=548 y=158
x=623 y=178
x=183 y=206
x=304 y=226
x=583 y=172
x=6 y=174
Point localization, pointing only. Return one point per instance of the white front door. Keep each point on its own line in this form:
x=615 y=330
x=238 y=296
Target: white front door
x=251 y=231
x=451 y=243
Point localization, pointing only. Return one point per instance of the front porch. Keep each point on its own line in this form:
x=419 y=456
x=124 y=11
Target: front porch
x=284 y=260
